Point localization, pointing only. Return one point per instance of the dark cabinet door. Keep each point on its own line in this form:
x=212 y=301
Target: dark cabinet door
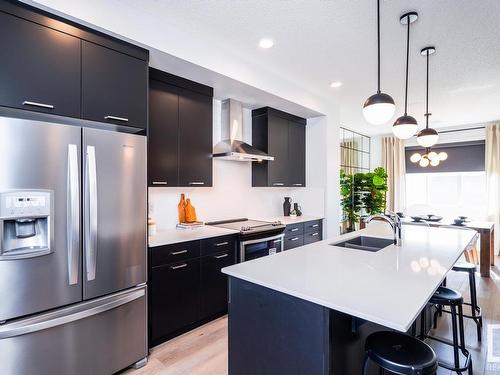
x=39 y=68
x=296 y=154
x=195 y=139
x=214 y=283
x=278 y=147
x=163 y=134
x=114 y=87
x=174 y=297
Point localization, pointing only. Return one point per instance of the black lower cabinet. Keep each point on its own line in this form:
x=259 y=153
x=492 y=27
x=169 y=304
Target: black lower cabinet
x=188 y=292
x=214 y=283
x=175 y=296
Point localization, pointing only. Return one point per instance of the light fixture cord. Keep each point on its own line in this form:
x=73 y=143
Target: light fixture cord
x=427 y=114
x=407 y=62
x=378 y=45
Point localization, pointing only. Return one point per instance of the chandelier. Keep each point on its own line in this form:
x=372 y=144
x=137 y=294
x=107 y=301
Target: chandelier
x=430 y=157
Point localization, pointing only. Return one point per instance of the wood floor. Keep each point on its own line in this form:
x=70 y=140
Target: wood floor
x=203 y=351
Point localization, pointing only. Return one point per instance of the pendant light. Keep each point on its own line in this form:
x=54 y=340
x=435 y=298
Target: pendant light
x=427 y=137
x=406 y=126
x=380 y=107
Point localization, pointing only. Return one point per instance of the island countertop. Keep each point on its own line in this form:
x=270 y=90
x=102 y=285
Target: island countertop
x=389 y=287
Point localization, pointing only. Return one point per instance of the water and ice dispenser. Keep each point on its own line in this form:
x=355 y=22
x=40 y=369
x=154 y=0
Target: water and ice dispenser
x=25 y=223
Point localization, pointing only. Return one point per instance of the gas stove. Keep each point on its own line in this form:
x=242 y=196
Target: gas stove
x=250 y=228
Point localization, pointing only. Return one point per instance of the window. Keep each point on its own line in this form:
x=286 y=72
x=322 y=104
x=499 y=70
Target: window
x=448 y=194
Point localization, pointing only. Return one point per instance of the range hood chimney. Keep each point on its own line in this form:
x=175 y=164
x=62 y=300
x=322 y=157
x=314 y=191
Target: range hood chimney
x=232 y=146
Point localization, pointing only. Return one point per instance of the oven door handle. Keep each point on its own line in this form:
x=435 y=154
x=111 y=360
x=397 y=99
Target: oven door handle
x=257 y=240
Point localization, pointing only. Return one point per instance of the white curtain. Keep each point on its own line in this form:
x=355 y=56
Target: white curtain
x=492 y=164
x=393 y=160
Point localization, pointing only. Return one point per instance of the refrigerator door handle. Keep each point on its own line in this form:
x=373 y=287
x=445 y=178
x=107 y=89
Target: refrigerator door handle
x=59 y=318
x=72 y=230
x=91 y=219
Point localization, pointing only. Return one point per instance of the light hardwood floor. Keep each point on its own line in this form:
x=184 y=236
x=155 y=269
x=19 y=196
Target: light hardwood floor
x=203 y=351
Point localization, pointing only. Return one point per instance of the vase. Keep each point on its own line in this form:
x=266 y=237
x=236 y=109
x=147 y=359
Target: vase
x=181 y=207
x=297 y=209
x=190 y=212
x=287 y=206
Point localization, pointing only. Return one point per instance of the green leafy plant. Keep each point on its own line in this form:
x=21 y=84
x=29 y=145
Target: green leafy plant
x=362 y=193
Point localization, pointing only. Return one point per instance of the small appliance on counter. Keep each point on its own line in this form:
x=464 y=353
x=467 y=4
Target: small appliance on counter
x=257 y=238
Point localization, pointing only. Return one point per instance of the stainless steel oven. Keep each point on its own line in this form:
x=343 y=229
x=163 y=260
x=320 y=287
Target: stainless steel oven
x=259 y=247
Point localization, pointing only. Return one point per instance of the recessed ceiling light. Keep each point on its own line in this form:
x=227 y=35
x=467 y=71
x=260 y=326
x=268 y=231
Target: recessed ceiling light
x=336 y=84
x=266 y=43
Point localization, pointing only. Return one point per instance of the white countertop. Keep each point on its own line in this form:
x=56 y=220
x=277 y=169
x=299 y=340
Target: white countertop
x=289 y=220
x=174 y=235
x=389 y=287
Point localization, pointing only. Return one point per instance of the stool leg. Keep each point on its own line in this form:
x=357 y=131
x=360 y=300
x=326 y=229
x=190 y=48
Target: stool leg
x=461 y=328
x=456 y=344
x=439 y=311
x=474 y=308
x=422 y=324
x=365 y=364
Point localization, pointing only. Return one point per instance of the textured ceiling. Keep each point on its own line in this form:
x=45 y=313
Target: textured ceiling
x=318 y=41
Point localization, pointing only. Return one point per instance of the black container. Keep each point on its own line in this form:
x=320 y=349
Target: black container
x=287 y=206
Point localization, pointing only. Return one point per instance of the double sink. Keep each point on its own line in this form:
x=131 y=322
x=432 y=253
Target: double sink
x=364 y=243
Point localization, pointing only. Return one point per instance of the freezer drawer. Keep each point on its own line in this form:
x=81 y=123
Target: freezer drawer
x=95 y=337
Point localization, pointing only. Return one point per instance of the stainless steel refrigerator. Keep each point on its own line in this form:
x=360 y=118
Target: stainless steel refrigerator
x=72 y=249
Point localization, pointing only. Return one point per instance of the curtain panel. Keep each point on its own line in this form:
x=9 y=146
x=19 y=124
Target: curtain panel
x=492 y=167
x=393 y=161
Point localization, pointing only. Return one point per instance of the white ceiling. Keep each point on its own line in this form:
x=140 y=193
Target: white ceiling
x=319 y=41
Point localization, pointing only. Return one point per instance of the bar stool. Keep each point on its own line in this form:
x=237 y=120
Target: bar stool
x=470 y=269
x=452 y=299
x=399 y=353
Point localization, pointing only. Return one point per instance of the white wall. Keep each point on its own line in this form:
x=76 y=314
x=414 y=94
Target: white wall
x=232 y=194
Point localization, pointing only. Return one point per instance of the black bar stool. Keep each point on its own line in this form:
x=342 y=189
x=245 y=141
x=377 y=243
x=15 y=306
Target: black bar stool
x=476 y=315
x=399 y=353
x=452 y=299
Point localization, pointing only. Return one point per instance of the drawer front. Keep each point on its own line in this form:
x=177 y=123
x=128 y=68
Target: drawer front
x=312 y=237
x=174 y=253
x=216 y=245
x=293 y=230
x=294 y=241
x=312 y=226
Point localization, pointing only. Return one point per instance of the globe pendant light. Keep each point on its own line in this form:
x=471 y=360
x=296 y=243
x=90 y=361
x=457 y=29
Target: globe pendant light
x=406 y=126
x=378 y=108
x=427 y=137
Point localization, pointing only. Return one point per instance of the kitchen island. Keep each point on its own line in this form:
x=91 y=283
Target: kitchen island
x=308 y=310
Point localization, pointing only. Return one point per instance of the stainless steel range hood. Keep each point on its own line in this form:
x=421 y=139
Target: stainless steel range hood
x=232 y=147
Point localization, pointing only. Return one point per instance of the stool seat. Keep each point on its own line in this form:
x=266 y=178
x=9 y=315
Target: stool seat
x=401 y=353
x=446 y=297
x=464 y=267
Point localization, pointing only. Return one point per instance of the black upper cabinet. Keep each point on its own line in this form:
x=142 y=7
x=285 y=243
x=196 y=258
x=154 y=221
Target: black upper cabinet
x=195 y=139
x=283 y=136
x=163 y=158
x=39 y=68
x=114 y=86
x=53 y=65
x=296 y=154
x=180 y=131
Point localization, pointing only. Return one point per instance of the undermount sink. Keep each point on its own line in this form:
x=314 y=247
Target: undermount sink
x=365 y=243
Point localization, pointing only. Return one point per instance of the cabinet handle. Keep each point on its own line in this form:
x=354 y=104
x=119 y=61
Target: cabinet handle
x=196 y=183
x=221 y=256
x=314 y=225
x=160 y=183
x=179 y=252
x=296 y=184
x=221 y=243
x=277 y=241
x=36 y=104
x=184 y=265
x=116 y=118
x=294 y=239
x=315 y=234
x=278 y=184
x=294 y=229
